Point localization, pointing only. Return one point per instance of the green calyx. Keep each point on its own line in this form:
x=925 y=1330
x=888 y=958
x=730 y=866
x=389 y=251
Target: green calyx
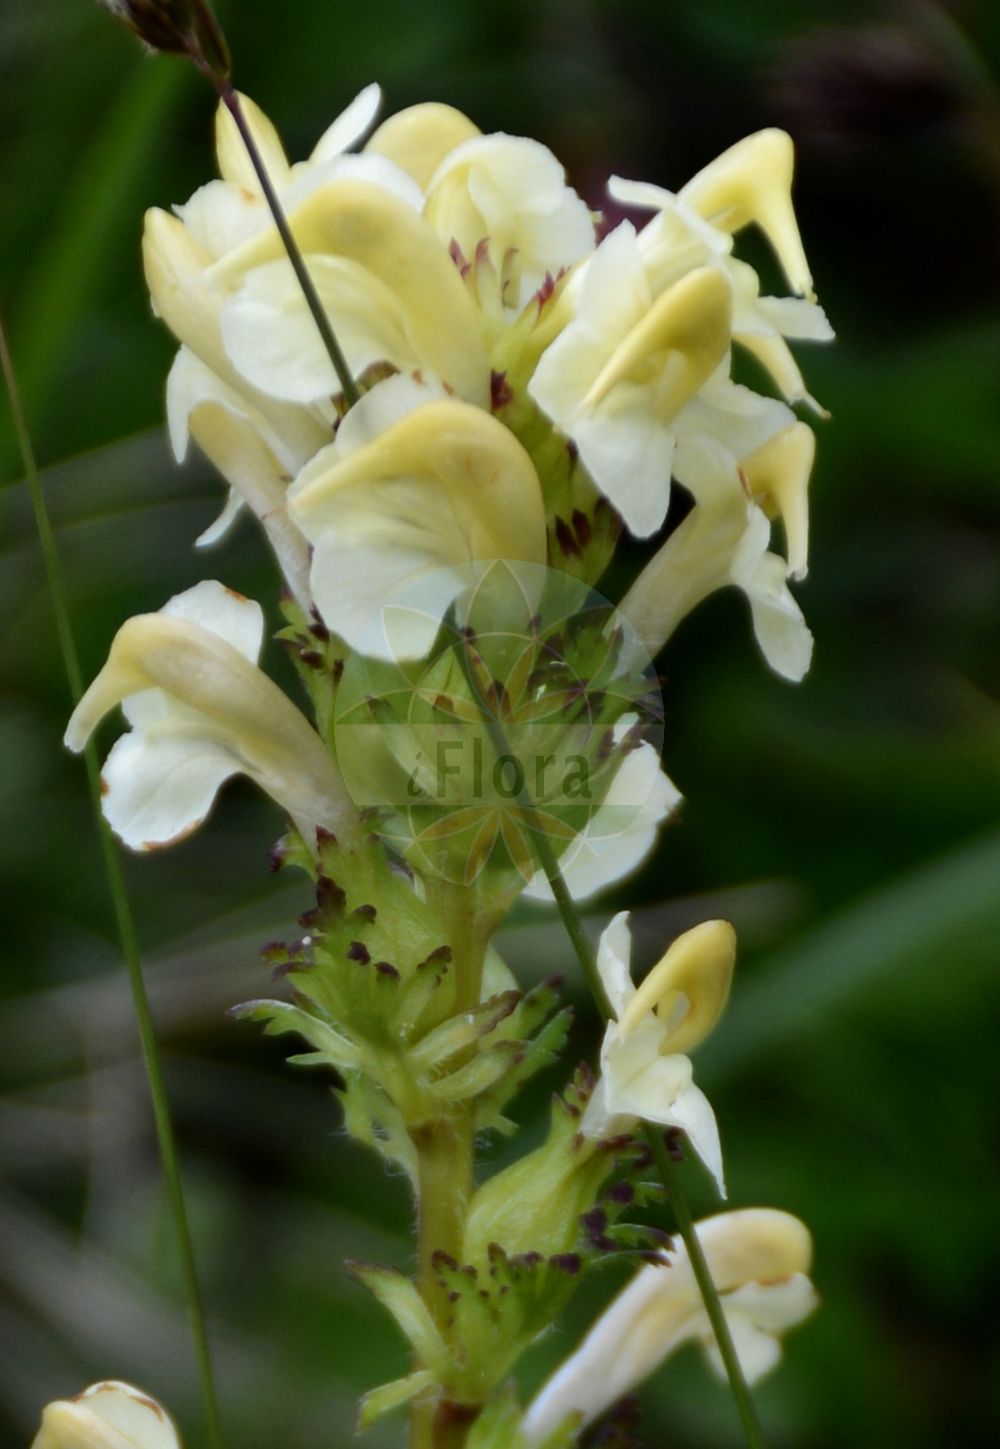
x=532 y=1231
x=373 y=985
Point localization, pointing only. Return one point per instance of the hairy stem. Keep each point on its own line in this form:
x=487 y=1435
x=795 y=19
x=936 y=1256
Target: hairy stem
x=123 y=915
x=446 y=1160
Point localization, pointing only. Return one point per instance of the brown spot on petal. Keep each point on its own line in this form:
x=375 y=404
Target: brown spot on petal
x=151 y=845
x=134 y=1395
x=105 y=787
x=235 y=594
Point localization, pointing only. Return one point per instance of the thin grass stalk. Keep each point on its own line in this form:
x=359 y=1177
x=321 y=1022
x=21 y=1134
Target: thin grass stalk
x=124 y=920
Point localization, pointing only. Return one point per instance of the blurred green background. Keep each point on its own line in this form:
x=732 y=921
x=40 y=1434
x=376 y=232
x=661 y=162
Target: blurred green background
x=849 y=827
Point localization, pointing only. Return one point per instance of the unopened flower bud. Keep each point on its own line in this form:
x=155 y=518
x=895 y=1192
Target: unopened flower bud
x=178 y=27
x=106 y=1416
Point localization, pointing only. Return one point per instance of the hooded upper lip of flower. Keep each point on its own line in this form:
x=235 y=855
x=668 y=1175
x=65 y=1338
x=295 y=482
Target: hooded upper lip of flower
x=380 y=263
x=202 y=711
x=758 y=1259
x=650 y=317
x=678 y=238
x=644 y=1071
x=621 y=371
x=416 y=486
x=419 y=138
x=108 y=1415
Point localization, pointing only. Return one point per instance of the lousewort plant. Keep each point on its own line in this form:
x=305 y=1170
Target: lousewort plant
x=445 y=390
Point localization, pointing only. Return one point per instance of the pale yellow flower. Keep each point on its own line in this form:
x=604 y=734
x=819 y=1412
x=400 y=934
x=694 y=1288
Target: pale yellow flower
x=418 y=139
x=384 y=277
x=645 y=1072
x=416 y=487
x=201 y=711
x=250 y=453
x=724 y=540
x=108 y=1415
x=694 y=227
x=618 y=375
x=758 y=1259
x=509 y=193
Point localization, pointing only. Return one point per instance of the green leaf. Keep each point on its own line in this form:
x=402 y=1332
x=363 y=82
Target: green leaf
x=280 y=1017
x=386 y=1398
x=461 y=1031
x=540 y=1052
x=480 y=1074
x=370 y=1117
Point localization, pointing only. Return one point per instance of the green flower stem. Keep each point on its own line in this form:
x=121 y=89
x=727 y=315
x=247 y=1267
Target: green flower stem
x=123 y=914
x=666 y=1167
x=446 y=1157
x=444 y=1187
x=230 y=99
x=669 y=1171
